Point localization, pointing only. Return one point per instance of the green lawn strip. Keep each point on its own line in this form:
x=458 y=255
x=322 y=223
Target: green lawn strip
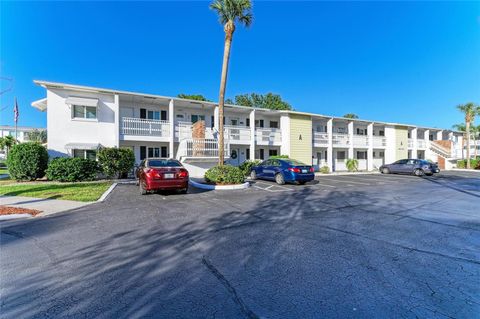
x=83 y=192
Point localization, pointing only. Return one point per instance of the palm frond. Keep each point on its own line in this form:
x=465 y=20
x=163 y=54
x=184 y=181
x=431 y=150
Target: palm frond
x=233 y=10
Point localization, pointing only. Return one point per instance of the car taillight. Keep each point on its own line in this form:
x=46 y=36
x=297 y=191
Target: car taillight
x=152 y=173
x=294 y=169
x=183 y=174
x=312 y=170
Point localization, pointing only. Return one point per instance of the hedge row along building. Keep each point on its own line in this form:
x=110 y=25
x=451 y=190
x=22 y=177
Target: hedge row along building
x=81 y=119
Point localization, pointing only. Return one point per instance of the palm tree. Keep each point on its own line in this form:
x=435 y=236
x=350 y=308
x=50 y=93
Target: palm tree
x=39 y=136
x=351 y=116
x=7 y=142
x=229 y=12
x=470 y=110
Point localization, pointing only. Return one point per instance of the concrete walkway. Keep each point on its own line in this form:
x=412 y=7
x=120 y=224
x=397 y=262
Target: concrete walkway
x=47 y=206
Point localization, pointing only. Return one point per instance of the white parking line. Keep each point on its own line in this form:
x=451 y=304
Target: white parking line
x=343 y=180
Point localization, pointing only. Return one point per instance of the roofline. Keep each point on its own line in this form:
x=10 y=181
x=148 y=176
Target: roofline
x=48 y=84
x=21 y=128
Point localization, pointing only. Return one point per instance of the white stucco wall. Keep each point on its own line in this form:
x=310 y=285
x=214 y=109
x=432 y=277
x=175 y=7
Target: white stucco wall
x=62 y=129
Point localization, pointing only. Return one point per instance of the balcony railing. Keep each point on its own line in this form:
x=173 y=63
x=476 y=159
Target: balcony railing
x=421 y=144
x=339 y=139
x=237 y=133
x=379 y=141
x=360 y=140
x=183 y=130
x=200 y=148
x=268 y=135
x=145 y=127
x=320 y=138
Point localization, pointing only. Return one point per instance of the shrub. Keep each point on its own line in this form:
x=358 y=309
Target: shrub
x=324 y=169
x=225 y=174
x=246 y=166
x=278 y=156
x=27 y=161
x=478 y=165
x=461 y=163
x=474 y=163
x=352 y=164
x=72 y=169
x=116 y=162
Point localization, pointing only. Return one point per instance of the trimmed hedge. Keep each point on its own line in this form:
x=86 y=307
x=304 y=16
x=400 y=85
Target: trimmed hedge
x=474 y=163
x=324 y=169
x=72 y=169
x=246 y=167
x=225 y=174
x=27 y=161
x=116 y=162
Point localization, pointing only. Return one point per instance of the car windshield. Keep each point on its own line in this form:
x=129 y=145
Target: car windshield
x=164 y=163
x=294 y=163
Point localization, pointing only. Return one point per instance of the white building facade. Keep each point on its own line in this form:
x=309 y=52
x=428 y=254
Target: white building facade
x=81 y=119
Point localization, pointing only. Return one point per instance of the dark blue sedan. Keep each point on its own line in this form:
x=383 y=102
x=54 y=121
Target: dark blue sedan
x=283 y=171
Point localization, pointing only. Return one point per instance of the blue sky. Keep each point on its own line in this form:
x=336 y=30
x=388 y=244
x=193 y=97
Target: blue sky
x=406 y=62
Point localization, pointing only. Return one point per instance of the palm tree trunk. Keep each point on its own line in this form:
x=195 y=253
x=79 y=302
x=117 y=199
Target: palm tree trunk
x=467 y=128
x=229 y=28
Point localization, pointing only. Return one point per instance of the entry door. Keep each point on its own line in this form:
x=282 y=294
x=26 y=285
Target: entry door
x=235 y=152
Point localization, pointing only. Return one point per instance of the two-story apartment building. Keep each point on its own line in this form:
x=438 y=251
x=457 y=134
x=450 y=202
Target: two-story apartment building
x=82 y=119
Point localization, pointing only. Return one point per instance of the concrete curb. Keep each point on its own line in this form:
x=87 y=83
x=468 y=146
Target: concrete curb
x=15 y=216
x=219 y=187
x=107 y=192
x=465 y=170
x=346 y=173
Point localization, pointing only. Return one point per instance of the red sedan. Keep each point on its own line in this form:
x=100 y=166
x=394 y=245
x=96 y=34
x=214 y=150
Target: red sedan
x=155 y=174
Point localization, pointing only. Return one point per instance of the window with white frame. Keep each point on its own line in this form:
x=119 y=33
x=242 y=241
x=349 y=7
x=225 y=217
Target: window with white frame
x=87 y=154
x=341 y=155
x=84 y=112
x=361 y=154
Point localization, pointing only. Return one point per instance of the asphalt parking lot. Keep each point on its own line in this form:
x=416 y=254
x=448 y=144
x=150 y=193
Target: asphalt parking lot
x=376 y=246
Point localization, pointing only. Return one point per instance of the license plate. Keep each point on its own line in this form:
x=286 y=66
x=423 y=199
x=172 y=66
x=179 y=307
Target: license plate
x=169 y=175
x=304 y=171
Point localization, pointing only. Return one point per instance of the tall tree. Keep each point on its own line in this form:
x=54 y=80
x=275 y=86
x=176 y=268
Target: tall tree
x=229 y=12
x=469 y=110
x=197 y=97
x=266 y=101
x=351 y=116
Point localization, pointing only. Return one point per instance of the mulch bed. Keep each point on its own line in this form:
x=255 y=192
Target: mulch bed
x=8 y=210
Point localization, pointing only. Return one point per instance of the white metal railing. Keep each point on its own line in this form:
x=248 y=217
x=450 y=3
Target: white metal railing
x=145 y=127
x=360 y=140
x=237 y=133
x=439 y=149
x=268 y=135
x=340 y=139
x=421 y=143
x=379 y=141
x=410 y=143
x=320 y=138
x=200 y=148
x=183 y=130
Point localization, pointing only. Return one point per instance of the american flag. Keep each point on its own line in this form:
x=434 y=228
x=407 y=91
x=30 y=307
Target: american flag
x=15 y=111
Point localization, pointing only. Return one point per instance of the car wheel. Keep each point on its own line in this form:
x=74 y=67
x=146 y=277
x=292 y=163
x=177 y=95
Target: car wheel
x=143 y=191
x=418 y=172
x=184 y=191
x=385 y=170
x=302 y=183
x=430 y=174
x=279 y=179
x=253 y=175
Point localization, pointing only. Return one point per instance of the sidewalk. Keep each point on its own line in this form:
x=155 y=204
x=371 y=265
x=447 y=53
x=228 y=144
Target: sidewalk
x=347 y=173
x=47 y=206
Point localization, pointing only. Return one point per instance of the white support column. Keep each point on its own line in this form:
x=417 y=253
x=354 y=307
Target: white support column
x=216 y=115
x=370 y=147
x=330 y=144
x=426 y=137
x=414 y=134
x=350 y=140
x=171 y=119
x=253 y=137
x=439 y=136
x=117 y=120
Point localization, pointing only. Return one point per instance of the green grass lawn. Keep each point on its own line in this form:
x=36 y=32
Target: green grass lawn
x=83 y=192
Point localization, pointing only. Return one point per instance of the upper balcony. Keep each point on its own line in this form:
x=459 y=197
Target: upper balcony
x=379 y=141
x=421 y=143
x=268 y=136
x=320 y=139
x=340 y=140
x=360 y=141
x=144 y=129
